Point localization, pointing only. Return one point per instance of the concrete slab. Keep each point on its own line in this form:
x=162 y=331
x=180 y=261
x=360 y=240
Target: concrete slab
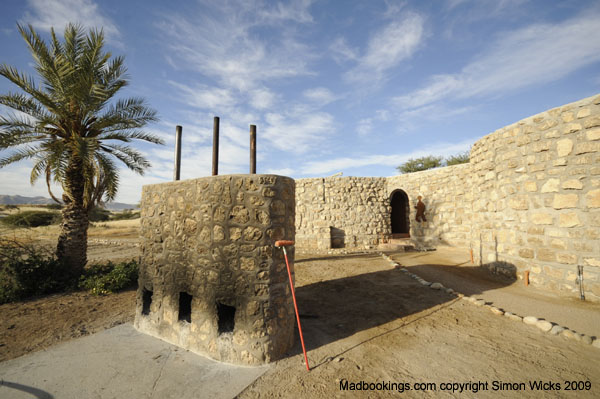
x=121 y=363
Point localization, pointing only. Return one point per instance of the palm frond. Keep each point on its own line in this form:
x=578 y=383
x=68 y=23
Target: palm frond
x=19 y=155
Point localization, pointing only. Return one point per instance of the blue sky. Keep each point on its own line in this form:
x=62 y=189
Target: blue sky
x=357 y=87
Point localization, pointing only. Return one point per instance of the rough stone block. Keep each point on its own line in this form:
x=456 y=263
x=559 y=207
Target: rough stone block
x=572 y=128
x=519 y=202
x=542 y=218
x=546 y=255
x=572 y=184
x=583 y=148
x=566 y=258
x=592 y=199
x=564 y=147
x=562 y=201
x=551 y=186
x=593 y=134
x=570 y=219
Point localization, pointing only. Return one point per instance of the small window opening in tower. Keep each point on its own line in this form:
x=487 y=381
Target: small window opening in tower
x=185 y=307
x=226 y=317
x=146 y=301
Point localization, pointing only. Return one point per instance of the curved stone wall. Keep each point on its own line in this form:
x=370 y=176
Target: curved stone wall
x=536 y=197
x=529 y=200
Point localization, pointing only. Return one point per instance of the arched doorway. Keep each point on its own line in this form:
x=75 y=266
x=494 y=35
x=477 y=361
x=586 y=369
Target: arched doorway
x=400 y=213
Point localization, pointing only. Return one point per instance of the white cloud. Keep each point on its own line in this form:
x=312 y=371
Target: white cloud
x=15 y=181
x=365 y=126
x=341 y=164
x=388 y=47
x=296 y=10
x=219 y=41
x=319 y=95
x=203 y=96
x=342 y=52
x=534 y=55
x=298 y=131
x=262 y=98
x=281 y=171
x=46 y=14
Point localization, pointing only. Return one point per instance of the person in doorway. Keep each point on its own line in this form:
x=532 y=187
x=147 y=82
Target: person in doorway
x=420 y=207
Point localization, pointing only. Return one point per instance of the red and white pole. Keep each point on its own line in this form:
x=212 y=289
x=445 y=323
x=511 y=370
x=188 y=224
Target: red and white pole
x=283 y=244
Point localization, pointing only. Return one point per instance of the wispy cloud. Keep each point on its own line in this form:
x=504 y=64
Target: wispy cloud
x=319 y=95
x=46 y=14
x=203 y=96
x=298 y=130
x=529 y=56
x=394 y=43
x=221 y=42
x=394 y=160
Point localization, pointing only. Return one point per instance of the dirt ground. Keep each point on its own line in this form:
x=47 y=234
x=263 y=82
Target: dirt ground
x=368 y=322
x=365 y=323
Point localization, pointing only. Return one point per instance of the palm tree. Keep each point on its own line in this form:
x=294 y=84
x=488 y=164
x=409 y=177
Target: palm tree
x=72 y=129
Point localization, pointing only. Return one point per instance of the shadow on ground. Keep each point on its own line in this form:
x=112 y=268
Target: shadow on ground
x=340 y=307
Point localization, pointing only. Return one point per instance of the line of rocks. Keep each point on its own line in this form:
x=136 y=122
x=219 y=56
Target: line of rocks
x=542 y=324
x=112 y=242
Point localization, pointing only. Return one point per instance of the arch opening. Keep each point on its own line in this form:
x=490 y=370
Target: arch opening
x=400 y=214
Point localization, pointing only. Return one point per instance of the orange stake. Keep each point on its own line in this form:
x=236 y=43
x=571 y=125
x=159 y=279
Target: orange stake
x=282 y=244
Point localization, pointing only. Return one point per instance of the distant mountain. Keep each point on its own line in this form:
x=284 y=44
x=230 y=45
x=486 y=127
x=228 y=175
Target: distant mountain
x=21 y=200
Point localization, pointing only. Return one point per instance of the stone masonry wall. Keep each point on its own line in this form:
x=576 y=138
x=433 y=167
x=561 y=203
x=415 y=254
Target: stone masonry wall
x=447 y=195
x=536 y=198
x=340 y=212
x=529 y=200
x=210 y=279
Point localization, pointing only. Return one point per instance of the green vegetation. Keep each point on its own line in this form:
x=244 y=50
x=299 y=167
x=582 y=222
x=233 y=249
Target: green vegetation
x=99 y=215
x=108 y=278
x=418 y=164
x=457 y=159
x=125 y=215
x=72 y=128
x=27 y=271
x=31 y=219
x=430 y=162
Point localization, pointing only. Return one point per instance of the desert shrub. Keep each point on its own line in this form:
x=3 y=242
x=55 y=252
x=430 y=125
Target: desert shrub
x=102 y=279
x=99 y=215
x=419 y=164
x=27 y=271
x=457 y=159
x=31 y=219
x=125 y=215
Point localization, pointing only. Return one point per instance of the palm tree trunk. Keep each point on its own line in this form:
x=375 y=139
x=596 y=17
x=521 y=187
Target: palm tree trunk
x=72 y=241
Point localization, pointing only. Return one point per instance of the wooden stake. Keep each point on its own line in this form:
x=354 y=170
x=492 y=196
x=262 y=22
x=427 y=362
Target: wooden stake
x=177 y=169
x=215 y=157
x=252 y=149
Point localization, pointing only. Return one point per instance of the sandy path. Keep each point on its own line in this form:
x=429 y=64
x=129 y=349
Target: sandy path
x=452 y=268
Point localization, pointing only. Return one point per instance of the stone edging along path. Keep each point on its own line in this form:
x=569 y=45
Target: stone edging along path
x=542 y=324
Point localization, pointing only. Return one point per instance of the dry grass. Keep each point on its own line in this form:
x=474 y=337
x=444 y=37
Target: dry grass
x=127 y=229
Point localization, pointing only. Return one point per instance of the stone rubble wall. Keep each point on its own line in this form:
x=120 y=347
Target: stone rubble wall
x=341 y=212
x=447 y=195
x=212 y=238
x=528 y=201
x=536 y=198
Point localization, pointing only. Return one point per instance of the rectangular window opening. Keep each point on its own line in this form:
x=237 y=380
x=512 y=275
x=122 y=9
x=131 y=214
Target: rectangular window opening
x=226 y=318
x=146 y=301
x=185 y=307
